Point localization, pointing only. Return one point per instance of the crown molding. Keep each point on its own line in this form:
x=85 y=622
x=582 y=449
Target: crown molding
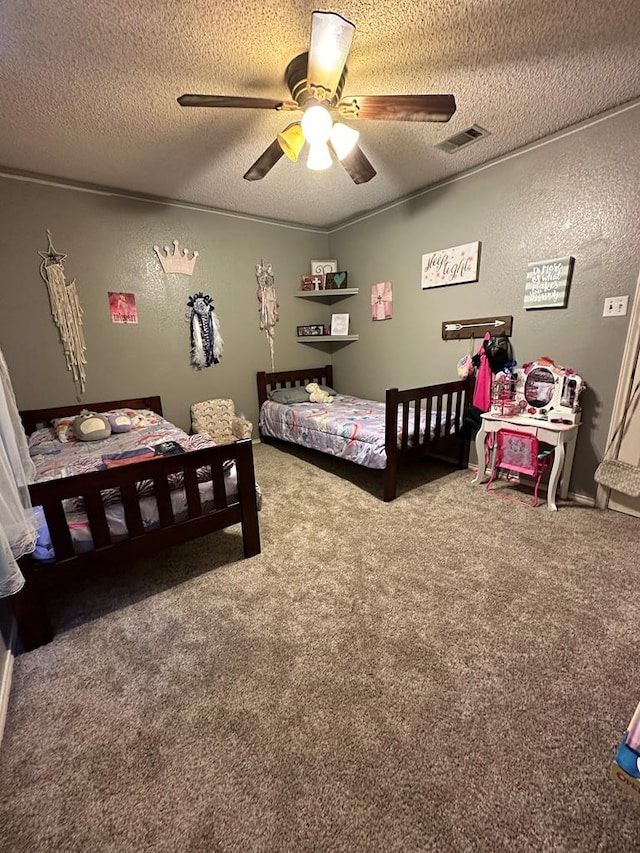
x=96 y=189
x=540 y=143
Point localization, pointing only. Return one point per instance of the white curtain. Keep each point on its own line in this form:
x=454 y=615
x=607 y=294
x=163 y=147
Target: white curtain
x=17 y=525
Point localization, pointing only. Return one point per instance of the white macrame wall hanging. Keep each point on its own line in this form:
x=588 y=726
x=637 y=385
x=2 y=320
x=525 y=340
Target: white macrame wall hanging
x=66 y=312
x=206 y=340
x=268 y=307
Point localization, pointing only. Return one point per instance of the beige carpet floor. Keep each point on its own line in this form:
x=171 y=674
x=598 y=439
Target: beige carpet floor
x=448 y=672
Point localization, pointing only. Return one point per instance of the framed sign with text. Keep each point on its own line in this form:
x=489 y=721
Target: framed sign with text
x=456 y=265
x=548 y=283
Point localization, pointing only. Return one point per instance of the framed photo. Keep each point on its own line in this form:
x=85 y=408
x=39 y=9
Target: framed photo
x=339 y=324
x=311 y=331
x=335 y=281
x=323 y=267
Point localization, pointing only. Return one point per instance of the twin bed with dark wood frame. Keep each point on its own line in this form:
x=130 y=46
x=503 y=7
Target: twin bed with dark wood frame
x=449 y=441
x=29 y=605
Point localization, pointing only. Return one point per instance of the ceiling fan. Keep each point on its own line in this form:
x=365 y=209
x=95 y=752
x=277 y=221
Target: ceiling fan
x=316 y=81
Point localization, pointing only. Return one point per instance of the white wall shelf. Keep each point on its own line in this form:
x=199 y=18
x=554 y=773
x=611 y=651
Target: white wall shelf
x=329 y=295
x=321 y=339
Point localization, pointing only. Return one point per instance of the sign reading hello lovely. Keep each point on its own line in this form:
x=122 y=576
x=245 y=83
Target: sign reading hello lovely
x=457 y=265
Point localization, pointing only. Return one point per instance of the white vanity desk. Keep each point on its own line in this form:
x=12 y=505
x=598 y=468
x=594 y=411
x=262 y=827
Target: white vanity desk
x=561 y=436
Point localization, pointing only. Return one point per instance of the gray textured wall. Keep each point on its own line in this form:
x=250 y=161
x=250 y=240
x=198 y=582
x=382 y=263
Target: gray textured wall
x=108 y=241
x=578 y=195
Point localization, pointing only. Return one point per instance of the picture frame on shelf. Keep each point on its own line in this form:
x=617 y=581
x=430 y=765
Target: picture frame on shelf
x=306 y=283
x=339 y=324
x=312 y=330
x=323 y=267
x=336 y=280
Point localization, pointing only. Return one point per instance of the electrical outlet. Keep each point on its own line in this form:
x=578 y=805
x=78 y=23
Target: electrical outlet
x=615 y=306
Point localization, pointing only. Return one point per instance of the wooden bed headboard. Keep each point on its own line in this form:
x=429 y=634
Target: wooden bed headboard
x=33 y=419
x=292 y=378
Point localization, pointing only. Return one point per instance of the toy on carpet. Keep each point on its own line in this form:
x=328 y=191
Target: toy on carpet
x=317 y=394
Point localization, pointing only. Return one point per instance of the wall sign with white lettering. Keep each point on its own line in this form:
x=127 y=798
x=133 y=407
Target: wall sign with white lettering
x=548 y=283
x=457 y=265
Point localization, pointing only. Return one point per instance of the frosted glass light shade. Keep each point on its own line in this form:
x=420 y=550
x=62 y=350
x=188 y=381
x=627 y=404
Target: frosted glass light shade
x=316 y=125
x=343 y=139
x=319 y=157
x=331 y=36
x=291 y=140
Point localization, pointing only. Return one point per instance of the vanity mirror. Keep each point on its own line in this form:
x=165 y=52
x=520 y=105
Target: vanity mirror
x=548 y=391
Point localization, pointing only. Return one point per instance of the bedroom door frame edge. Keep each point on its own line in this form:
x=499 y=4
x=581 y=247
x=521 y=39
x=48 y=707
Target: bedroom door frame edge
x=630 y=356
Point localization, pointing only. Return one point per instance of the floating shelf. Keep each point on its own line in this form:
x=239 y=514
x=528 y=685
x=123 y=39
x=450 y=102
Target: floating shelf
x=327 y=294
x=320 y=339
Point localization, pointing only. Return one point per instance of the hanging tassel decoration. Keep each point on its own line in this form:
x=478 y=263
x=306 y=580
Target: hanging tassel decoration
x=268 y=307
x=206 y=340
x=66 y=311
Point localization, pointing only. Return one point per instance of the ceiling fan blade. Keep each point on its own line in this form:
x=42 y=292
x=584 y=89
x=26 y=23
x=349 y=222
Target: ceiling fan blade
x=398 y=107
x=265 y=162
x=231 y=101
x=331 y=36
x=359 y=168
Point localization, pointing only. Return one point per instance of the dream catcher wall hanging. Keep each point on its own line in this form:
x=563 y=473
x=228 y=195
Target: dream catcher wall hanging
x=206 y=340
x=267 y=304
x=66 y=312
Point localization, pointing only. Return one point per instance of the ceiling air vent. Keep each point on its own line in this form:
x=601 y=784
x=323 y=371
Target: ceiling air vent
x=461 y=140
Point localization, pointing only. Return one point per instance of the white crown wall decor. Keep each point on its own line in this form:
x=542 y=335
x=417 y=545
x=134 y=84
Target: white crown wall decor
x=176 y=262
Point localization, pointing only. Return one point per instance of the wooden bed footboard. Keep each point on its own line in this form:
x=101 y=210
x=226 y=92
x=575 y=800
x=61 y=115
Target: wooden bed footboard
x=448 y=401
x=29 y=605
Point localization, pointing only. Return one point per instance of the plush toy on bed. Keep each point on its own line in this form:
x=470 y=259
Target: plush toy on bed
x=90 y=426
x=317 y=394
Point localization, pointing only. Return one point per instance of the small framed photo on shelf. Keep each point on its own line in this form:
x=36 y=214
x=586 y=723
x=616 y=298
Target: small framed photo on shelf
x=323 y=267
x=311 y=331
x=339 y=324
x=335 y=281
x=306 y=282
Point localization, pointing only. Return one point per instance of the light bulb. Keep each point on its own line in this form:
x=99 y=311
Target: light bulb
x=316 y=124
x=343 y=139
x=319 y=156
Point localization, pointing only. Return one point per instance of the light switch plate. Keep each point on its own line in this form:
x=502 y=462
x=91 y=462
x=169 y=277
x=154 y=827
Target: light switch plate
x=615 y=306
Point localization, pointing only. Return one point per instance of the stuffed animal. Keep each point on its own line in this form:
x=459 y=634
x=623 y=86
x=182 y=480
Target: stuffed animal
x=317 y=395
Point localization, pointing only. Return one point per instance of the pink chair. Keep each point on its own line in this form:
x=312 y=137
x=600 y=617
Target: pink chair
x=519 y=453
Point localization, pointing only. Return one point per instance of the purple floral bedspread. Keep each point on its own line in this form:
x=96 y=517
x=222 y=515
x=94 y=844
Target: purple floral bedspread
x=350 y=427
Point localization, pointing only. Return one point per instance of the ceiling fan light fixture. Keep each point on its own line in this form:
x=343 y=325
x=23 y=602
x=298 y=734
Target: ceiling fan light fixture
x=291 y=140
x=319 y=157
x=343 y=139
x=331 y=36
x=316 y=125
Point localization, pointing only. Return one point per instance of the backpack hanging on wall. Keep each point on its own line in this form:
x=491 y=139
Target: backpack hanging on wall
x=499 y=352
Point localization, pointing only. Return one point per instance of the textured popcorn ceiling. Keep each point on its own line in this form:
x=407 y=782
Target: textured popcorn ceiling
x=88 y=89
